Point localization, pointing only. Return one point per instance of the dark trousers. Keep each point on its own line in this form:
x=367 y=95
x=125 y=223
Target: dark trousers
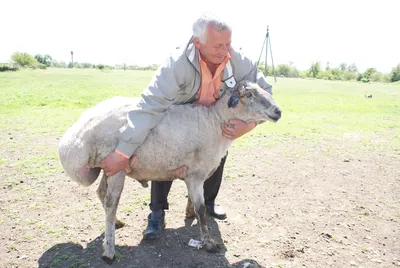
x=160 y=189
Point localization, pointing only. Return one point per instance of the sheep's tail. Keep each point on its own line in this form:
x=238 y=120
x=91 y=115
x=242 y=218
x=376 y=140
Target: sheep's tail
x=74 y=157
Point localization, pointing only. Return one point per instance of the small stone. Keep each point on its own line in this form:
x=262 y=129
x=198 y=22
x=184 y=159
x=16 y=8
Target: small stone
x=346 y=160
x=353 y=263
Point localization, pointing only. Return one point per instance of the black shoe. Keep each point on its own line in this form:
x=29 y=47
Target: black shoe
x=155 y=225
x=216 y=212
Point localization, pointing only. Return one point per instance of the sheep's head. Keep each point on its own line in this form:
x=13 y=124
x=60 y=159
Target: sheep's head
x=251 y=102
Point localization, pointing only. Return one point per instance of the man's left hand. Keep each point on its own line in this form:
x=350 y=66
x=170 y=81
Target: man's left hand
x=237 y=128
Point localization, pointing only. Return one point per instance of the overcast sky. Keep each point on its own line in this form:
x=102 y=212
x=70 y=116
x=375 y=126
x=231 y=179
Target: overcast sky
x=145 y=32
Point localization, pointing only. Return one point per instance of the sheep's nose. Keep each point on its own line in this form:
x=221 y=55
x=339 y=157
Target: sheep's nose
x=278 y=111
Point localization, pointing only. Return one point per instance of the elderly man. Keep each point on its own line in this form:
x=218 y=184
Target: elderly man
x=199 y=73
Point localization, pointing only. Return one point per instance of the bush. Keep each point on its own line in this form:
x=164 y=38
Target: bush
x=59 y=64
x=387 y=78
x=86 y=65
x=23 y=59
x=376 y=77
x=364 y=80
x=349 y=76
x=8 y=67
x=326 y=75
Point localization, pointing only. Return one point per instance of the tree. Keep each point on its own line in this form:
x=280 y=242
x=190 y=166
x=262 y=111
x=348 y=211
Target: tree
x=45 y=60
x=283 y=69
x=315 y=69
x=343 y=66
x=352 y=68
x=366 y=76
x=327 y=68
x=395 y=74
x=23 y=59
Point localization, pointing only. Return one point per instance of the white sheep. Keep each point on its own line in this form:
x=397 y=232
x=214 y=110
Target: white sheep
x=188 y=139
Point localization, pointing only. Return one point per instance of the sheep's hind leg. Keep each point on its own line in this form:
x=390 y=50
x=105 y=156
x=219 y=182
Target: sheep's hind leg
x=114 y=186
x=196 y=194
x=101 y=194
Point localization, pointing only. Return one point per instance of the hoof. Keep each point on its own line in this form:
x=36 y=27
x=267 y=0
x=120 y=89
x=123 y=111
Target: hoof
x=119 y=224
x=211 y=247
x=190 y=214
x=108 y=260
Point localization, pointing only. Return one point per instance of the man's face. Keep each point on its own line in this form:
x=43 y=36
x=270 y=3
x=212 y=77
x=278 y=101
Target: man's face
x=217 y=45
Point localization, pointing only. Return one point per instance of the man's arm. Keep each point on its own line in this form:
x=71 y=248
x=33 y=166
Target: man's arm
x=155 y=100
x=160 y=94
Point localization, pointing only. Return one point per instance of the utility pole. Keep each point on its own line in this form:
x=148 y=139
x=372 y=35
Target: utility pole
x=266 y=42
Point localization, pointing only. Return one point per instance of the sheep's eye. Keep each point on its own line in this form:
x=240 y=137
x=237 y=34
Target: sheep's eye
x=249 y=94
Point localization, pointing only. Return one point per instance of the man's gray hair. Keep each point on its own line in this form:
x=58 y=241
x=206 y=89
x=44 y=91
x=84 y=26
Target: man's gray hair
x=201 y=24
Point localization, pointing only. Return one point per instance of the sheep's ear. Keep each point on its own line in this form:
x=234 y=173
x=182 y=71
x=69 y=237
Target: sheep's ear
x=241 y=88
x=233 y=100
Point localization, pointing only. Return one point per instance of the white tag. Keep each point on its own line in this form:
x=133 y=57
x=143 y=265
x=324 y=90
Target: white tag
x=194 y=243
x=231 y=82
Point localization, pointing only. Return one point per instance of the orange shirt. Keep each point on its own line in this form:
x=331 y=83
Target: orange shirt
x=208 y=92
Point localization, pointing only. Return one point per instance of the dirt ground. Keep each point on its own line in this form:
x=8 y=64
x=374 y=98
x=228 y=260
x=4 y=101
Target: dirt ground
x=294 y=203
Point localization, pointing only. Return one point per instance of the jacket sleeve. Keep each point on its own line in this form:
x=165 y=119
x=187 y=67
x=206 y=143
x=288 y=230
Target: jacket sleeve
x=247 y=70
x=256 y=76
x=154 y=101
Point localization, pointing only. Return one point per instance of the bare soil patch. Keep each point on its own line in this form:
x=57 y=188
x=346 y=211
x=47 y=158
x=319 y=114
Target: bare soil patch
x=291 y=204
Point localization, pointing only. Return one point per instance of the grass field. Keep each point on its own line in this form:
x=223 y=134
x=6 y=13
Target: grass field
x=309 y=106
x=331 y=118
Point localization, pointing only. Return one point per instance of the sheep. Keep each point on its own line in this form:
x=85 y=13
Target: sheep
x=187 y=144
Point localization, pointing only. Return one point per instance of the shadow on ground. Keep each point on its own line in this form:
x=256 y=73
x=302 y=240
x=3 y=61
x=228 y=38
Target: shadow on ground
x=170 y=250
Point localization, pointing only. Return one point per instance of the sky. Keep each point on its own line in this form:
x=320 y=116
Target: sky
x=146 y=32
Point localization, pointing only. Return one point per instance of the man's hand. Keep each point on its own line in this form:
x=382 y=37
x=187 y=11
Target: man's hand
x=237 y=128
x=114 y=163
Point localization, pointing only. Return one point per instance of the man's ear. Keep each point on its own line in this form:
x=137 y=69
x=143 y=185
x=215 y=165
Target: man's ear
x=196 y=42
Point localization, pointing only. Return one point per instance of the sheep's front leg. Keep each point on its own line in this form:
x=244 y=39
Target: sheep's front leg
x=101 y=194
x=196 y=195
x=189 y=209
x=115 y=185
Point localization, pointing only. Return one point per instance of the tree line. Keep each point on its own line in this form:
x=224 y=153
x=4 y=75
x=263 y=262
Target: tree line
x=344 y=72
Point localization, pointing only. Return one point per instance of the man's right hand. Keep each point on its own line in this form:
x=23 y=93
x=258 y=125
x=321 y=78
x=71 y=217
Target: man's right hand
x=114 y=163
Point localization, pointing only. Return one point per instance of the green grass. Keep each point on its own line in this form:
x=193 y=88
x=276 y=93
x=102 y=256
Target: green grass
x=319 y=109
x=39 y=105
